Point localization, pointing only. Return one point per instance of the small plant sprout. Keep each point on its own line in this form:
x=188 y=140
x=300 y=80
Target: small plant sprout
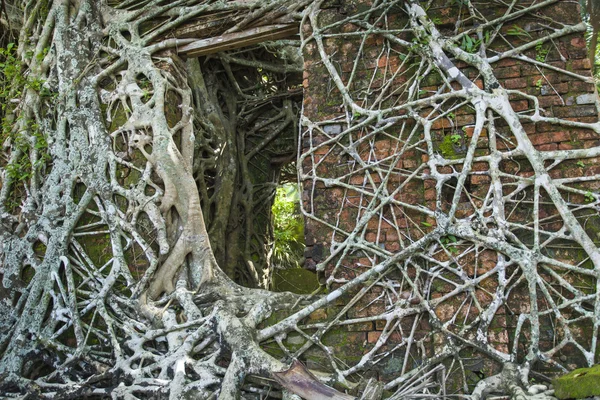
x=589 y=197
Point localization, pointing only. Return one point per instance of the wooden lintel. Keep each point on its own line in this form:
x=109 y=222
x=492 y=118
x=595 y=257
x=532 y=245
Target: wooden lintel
x=229 y=41
x=206 y=26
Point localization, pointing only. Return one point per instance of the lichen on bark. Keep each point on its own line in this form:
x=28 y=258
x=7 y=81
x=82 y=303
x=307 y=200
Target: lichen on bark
x=115 y=261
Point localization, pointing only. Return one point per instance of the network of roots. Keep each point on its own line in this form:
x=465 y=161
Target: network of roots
x=447 y=153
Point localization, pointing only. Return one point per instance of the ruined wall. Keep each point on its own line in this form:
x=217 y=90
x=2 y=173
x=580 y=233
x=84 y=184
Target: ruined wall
x=350 y=162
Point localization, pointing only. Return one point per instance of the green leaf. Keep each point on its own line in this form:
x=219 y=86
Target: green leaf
x=516 y=30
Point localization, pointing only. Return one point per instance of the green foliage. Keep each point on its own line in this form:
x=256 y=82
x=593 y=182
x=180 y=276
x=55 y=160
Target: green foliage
x=539 y=83
x=471 y=45
x=24 y=134
x=541 y=52
x=589 y=197
x=288 y=227
x=516 y=30
x=21 y=169
x=11 y=78
x=448 y=243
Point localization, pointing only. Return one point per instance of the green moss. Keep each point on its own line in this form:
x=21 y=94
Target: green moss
x=295 y=280
x=119 y=118
x=432 y=79
x=349 y=346
x=448 y=148
x=98 y=248
x=577 y=384
x=392 y=365
x=39 y=249
x=172 y=109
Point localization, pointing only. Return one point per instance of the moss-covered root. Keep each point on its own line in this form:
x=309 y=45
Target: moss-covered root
x=511 y=381
x=578 y=384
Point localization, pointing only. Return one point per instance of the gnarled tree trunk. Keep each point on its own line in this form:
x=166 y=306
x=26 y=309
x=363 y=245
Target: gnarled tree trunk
x=116 y=284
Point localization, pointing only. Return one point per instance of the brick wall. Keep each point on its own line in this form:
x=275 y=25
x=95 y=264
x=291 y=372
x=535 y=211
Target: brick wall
x=335 y=209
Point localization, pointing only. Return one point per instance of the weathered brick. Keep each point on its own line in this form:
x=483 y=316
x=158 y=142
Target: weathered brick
x=548 y=101
x=575 y=111
x=520 y=105
x=581 y=64
x=576 y=103
x=578 y=42
x=507 y=62
x=480 y=179
x=547 y=147
x=517 y=83
x=508 y=72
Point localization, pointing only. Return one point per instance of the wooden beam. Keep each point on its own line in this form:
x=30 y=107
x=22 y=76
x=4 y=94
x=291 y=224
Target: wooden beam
x=206 y=26
x=229 y=41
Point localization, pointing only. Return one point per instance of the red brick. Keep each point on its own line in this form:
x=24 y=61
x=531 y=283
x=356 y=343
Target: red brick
x=566 y=146
x=588 y=144
x=480 y=166
x=470 y=129
x=558 y=64
x=529 y=128
x=465 y=119
x=361 y=327
x=520 y=105
x=442 y=123
x=547 y=147
x=579 y=86
x=583 y=63
x=561 y=88
x=589 y=120
x=515 y=83
x=544 y=127
x=578 y=42
x=382 y=62
x=561 y=136
x=411 y=164
x=552 y=100
x=545 y=79
x=509 y=72
x=430 y=194
x=539 y=138
x=575 y=111
x=506 y=62
x=392 y=246
x=480 y=179
x=391 y=236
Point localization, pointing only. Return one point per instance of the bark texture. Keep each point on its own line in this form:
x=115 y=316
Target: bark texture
x=134 y=184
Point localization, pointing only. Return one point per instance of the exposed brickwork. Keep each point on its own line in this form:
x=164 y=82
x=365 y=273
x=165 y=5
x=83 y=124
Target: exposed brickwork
x=560 y=96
